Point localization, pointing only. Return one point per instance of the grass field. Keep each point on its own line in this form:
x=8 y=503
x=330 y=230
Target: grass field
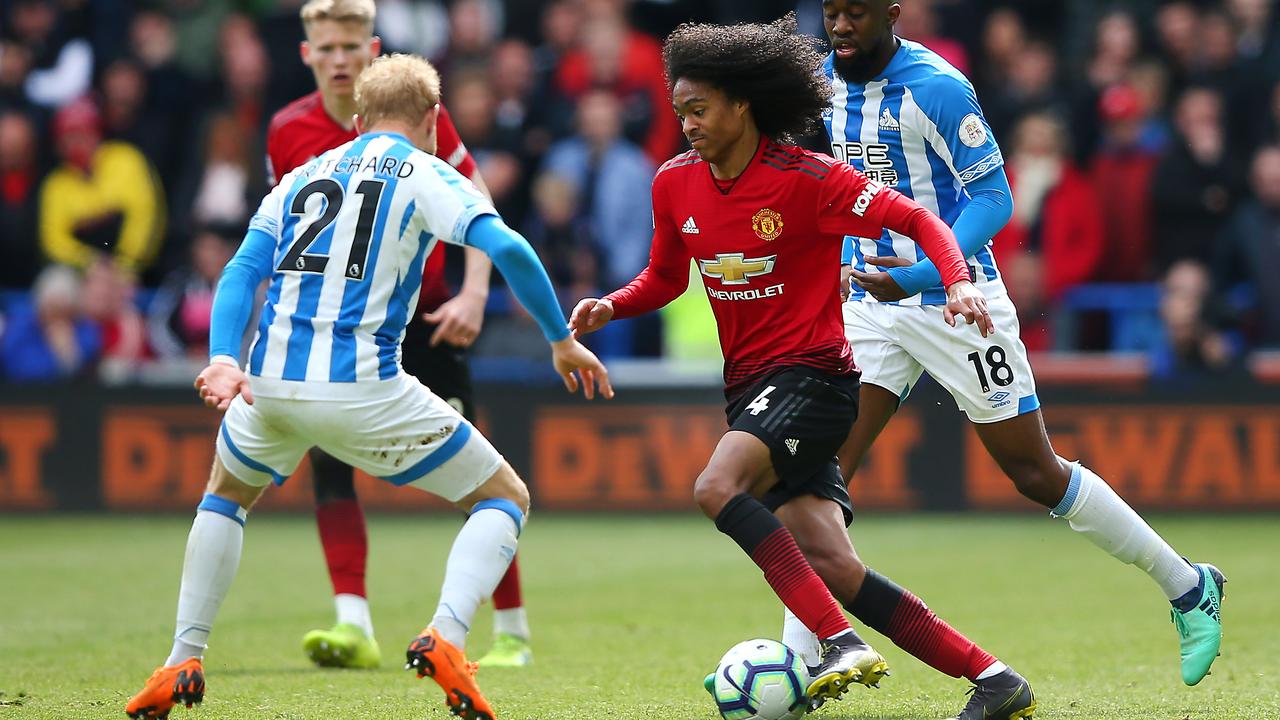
x=628 y=614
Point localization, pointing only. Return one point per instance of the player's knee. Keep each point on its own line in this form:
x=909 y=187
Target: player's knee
x=838 y=567
x=505 y=484
x=225 y=485
x=332 y=479
x=713 y=490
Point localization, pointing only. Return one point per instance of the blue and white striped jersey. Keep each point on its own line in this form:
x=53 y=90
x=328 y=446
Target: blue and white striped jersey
x=917 y=128
x=352 y=230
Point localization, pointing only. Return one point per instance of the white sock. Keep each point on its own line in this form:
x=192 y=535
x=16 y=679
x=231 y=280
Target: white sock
x=1094 y=510
x=480 y=555
x=213 y=555
x=992 y=670
x=799 y=638
x=511 y=621
x=354 y=610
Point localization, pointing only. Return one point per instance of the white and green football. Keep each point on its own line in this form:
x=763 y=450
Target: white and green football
x=761 y=679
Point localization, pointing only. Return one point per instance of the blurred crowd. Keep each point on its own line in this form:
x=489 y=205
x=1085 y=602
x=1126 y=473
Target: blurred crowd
x=1142 y=142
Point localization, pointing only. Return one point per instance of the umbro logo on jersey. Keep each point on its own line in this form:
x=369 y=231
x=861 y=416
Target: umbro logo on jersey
x=690 y=227
x=887 y=122
x=792 y=445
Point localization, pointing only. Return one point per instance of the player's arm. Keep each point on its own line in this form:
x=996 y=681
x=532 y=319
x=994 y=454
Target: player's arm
x=850 y=204
x=233 y=303
x=528 y=280
x=988 y=211
x=663 y=280
x=459 y=319
x=955 y=119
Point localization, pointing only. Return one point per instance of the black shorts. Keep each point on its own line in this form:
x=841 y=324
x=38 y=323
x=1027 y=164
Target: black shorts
x=442 y=368
x=803 y=415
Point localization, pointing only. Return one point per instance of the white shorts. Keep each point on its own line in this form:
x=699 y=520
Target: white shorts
x=989 y=378
x=400 y=432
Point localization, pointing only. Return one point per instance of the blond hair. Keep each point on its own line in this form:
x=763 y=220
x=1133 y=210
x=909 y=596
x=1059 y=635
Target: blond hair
x=397 y=87
x=361 y=11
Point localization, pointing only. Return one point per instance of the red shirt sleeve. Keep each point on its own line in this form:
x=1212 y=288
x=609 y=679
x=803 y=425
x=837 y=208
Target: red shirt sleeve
x=850 y=203
x=667 y=275
x=449 y=146
x=276 y=161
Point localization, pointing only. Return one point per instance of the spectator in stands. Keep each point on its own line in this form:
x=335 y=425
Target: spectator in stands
x=108 y=297
x=1055 y=239
x=1177 y=35
x=129 y=117
x=1191 y=345
x=562 y=238
x=18 y=177
x=612 y=177
x=15 y=63
x=1248 y=252
x=178 y=317
x=1194 y=184
x=628 y=64
x=104 y=198
x=62 y=60
x=1121 y=174
x=1116 y=49
x=1031 y=84
x=473 y=30
x=919 y=22
x=413 y=26
x=473 y=107
x=52 y=339
x=1003 y=36
x=223 y=193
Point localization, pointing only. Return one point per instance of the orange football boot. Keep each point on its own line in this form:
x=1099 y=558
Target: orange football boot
x=168 y=686
x=442 y=661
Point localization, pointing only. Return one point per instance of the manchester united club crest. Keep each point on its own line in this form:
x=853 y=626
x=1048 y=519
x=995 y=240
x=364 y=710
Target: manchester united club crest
x=767 y=224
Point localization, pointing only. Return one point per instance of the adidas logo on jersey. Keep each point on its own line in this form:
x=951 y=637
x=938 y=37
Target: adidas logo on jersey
x=887 y=122
x=690 y=227
x=792 y=445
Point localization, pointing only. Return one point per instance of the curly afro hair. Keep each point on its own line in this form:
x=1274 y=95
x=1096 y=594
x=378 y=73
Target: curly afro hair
x=772 y=67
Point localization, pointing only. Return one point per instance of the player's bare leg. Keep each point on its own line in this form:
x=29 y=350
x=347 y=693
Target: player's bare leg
x=213 y=556
x=819 y=529
x=740 y=470
x=876 y=407
x=350 y=643
x=479 y=557
x=1075 y=493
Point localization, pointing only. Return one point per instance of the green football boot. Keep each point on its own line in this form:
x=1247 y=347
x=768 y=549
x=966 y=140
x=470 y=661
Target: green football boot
x=508 y=651
x=1198 y=617
x=345 y=646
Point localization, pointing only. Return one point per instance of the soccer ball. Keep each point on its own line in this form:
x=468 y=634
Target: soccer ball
x=761 y=679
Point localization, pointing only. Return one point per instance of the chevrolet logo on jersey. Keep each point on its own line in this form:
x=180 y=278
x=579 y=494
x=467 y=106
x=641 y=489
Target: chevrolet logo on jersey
x=734 y=268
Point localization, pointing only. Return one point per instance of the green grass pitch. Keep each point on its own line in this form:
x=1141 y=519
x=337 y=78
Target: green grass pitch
x=628 y=614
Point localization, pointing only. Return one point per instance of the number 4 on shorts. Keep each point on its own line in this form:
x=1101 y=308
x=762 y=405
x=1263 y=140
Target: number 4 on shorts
x=761 y=403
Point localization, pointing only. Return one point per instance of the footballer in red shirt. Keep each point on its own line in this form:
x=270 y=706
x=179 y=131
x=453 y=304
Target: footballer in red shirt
x=339 y=44
x=764 y=221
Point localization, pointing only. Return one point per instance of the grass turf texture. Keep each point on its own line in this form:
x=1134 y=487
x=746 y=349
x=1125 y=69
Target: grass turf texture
x=628 y=614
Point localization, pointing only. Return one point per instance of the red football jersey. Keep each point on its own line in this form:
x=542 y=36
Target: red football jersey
x=768 y=248
x=303 y=130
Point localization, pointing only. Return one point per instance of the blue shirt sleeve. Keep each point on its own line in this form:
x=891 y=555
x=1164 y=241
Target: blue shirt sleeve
x=233 y=302
x=524 y=273
x=989 y=209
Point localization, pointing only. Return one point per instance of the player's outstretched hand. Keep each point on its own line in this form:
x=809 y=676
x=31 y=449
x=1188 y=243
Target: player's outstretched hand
x=590 y=315
x=846 y=271
x=219 y=384
x=458 y=320
x=881 y=285
x=965 y=300
x=569 y=356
